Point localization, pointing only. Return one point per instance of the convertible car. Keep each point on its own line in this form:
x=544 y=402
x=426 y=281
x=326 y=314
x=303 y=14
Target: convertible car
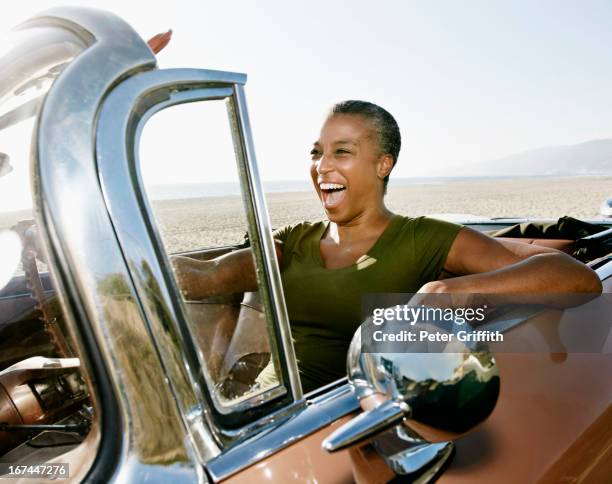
x=108 y=374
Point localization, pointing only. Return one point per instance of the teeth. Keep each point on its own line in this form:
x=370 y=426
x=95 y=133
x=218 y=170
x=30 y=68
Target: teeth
x=331 y=186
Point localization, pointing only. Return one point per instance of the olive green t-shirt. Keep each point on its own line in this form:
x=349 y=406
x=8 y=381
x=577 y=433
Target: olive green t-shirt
x=324 y=305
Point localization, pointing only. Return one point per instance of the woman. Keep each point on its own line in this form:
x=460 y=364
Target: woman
x=365 y=248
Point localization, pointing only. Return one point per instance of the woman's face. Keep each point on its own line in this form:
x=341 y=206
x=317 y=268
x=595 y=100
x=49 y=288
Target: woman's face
x=348 y=167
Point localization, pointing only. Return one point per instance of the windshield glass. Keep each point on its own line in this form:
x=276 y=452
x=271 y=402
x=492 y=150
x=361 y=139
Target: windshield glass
x=30 y=60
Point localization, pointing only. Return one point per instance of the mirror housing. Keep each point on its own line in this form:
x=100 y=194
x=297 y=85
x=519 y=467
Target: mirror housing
x=440 y=396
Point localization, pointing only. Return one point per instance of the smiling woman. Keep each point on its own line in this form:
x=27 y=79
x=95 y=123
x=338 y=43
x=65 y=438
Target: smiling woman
x=351 y=162
x=363 y=248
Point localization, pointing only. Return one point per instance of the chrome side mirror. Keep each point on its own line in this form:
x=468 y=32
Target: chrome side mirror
x=606 y=208
x=440 y=396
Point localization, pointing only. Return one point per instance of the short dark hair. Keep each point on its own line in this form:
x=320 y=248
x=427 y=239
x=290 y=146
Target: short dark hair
x=385 y=125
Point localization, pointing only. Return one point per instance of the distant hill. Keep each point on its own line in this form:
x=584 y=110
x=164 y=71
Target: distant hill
x=589 y=158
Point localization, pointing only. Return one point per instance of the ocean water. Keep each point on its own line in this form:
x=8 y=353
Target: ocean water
x=219 y=189
x=223 y=189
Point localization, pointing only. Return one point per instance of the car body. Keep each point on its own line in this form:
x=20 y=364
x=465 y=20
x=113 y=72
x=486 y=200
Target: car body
x=119 y=360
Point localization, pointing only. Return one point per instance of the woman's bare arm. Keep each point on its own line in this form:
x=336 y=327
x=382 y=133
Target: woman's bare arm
x=488 y=266
x=233 y=272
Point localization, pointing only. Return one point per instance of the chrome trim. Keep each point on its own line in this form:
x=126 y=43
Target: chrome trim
x=252 y=188
x=386 y=415
x=122 y=118
x=599 y=235
x=604 y=271
x=85 y=257
x=507 y=222
x=320 y=412
x=439 y=455
x=442 y=395
x=409 y=455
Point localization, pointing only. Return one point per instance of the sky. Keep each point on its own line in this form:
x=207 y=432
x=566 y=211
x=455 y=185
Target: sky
x=467 y=81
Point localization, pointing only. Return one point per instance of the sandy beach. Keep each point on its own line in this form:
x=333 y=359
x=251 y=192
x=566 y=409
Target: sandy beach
x=207 y=222
x=187 y=224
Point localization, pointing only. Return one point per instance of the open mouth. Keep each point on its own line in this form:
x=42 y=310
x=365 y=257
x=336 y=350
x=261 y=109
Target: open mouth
x=332 y=194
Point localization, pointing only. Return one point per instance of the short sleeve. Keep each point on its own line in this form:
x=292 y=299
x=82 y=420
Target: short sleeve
x=287 y=237
x=296 y=238
x=282 y=234
x=433 y=239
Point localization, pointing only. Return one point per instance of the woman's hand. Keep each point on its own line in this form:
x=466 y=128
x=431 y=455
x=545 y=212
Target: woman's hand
x=159 y=41
x=439 y=294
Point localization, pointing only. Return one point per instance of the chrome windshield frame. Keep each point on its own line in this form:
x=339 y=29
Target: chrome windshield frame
x=122 y=118
x=83 y=253
x=325 y=406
